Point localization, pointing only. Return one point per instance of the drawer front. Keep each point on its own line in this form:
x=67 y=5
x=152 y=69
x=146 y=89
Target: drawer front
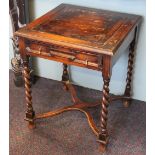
x=64 y=54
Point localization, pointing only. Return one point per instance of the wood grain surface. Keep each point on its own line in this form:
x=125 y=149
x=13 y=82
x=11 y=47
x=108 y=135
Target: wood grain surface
x=95 y=30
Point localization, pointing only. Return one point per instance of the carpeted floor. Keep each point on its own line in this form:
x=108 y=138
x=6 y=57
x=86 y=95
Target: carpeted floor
x=69 y=133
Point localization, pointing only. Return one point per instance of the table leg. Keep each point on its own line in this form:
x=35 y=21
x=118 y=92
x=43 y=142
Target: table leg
x=30 y=114
x=103 y=135
x=129 y=73
x=65 y=76
x=106 y=73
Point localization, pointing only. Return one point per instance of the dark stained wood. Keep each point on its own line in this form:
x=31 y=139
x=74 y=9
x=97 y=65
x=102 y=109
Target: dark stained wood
x=65 y=77
x=78 y=105
x=64 y=55
x=130 y=69
x=30 y=114
x=106 y=73
x=85 y=37
x=94 y=30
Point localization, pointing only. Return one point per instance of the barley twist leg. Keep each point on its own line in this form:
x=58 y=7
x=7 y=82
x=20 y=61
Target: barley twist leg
x=103 y=134
x=30 y=114
x=129 y=74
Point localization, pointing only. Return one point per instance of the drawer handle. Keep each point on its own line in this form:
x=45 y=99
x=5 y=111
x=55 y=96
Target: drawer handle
x=70 y=57
x=86 y=62
x=33 y=51
x=51 y=53
x=73 y=58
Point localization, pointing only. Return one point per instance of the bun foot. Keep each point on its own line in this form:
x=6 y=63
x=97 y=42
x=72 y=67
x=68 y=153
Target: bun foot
x=103 y=144
x=31 y=125
x=65 y=87
x=102 y=148
x=126 y=103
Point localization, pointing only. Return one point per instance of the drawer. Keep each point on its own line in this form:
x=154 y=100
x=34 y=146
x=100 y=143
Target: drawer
x=64 y=54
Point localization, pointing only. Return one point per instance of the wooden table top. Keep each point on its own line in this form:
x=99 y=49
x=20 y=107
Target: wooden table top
x=94 y=30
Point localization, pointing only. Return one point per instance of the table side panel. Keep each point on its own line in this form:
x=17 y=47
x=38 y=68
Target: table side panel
x=124 y=45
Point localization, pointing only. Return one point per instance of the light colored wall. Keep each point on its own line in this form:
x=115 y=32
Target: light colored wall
x=90 y=78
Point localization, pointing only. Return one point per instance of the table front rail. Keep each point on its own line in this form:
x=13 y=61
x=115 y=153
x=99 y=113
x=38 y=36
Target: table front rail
x=65 y=55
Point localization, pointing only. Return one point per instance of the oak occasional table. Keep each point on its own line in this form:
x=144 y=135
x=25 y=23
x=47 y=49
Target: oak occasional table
x=85 y=37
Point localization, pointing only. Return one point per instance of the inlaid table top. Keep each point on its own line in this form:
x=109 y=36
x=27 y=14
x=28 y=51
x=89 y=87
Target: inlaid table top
x=94 y=30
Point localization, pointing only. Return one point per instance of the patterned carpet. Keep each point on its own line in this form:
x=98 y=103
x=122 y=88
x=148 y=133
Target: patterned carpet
x=69 y=133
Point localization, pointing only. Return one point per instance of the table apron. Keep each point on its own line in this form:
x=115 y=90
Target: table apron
x=65 y=55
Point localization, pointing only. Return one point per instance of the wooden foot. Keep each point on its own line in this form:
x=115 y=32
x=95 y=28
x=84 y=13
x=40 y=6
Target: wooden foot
x=126 y=103
x=65 y=87
x=103 y=144
x=31 y=125
x=102 y=148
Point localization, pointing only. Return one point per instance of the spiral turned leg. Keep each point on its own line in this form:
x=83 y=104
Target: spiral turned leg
x=103 y=134
x=30 y=114
x=65 y=77
x=129 y=74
